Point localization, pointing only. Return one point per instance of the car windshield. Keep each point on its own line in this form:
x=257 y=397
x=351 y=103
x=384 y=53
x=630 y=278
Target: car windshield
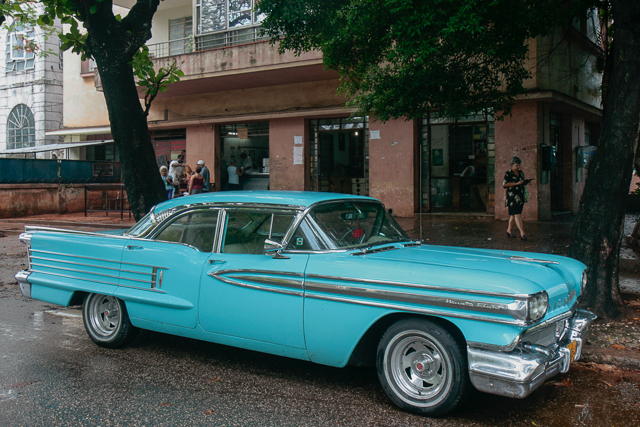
x=351 y=224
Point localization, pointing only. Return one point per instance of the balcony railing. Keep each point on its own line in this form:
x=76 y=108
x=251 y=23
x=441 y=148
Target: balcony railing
x=205 y=42
x=171 y=48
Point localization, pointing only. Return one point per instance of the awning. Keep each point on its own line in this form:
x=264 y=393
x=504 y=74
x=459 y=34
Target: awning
x=93 y=130
x=51 y=147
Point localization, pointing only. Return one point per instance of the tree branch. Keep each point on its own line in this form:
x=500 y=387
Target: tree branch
x=138 y=22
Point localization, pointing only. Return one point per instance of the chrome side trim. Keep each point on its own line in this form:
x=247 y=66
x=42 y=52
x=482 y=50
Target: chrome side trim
x=74 y=263
x=259 y=281
x=516 y=309
x=419 y=286
x=411 y=309
x=527 y=259
x=102 y=282
x=74 y=277
x=98 y=259
x=87 y=272
x=271 y=273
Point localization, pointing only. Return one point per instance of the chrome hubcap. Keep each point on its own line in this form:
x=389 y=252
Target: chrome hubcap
x=418 y=367
x=104 y=314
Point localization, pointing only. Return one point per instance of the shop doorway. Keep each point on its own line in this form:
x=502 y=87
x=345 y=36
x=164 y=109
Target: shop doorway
x=339 y=155
x=248 y=145
x=458 y=164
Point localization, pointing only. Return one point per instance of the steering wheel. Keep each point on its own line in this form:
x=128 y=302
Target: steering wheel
x=350 y=231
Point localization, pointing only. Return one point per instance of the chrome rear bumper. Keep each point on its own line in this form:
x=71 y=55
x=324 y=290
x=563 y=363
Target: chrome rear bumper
x=519 y=372
x=25 y=286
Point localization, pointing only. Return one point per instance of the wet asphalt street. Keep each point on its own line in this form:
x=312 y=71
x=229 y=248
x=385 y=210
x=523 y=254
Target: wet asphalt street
x=51 y=374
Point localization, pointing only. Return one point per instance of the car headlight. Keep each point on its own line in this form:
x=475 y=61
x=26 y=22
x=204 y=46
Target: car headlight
x=583 y=281
x=538 y=305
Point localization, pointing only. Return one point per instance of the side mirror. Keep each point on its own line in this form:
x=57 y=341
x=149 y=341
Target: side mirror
x=271 y=247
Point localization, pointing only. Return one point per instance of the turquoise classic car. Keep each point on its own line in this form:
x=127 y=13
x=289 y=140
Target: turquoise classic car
x=328 y=278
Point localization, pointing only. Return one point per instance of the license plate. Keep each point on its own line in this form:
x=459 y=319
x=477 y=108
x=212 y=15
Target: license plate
x=573 y=347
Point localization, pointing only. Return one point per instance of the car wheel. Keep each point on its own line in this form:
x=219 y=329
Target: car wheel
x=422 y=368
x=106 y=321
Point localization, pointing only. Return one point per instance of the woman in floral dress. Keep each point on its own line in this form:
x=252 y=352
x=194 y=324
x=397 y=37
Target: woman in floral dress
x=514 y=182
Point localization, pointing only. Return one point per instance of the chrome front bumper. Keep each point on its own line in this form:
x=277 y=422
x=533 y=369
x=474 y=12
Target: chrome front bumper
x=25 y=286
x=519 y=372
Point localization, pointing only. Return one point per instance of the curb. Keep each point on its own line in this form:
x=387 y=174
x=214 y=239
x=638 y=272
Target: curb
x=628 y=359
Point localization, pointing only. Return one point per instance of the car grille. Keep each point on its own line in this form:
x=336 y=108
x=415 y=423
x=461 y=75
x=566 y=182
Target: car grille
x=546 y=335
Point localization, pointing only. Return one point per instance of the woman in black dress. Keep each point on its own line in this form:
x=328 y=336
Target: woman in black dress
x=514 y=182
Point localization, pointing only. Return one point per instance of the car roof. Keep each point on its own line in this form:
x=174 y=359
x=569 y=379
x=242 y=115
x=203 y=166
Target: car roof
x=300 y=199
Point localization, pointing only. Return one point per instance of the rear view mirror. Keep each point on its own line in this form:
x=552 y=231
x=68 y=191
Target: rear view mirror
x=352 y=216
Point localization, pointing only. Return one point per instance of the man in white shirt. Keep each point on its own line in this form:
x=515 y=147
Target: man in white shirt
x=176 y=169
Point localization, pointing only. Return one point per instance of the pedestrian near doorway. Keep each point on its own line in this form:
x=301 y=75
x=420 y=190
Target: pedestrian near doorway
x=234 y=175
x=206 y=187
x=517 y=195
x=196 y=182
x=180 y=172
x=247 y=162
x=167 y=180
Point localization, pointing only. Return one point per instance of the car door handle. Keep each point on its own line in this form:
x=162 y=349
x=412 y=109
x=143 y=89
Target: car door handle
x=216 y=262
x=131 y=247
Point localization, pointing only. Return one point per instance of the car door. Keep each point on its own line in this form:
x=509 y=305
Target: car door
x=160 y=276
x=248 y=294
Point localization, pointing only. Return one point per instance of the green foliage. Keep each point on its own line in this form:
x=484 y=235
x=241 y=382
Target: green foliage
x=153 y=81
x=72 y=37
x=401 y=58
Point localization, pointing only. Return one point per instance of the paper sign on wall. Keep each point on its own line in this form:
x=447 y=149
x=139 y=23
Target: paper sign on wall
x=374 y=134
x=243 y=133
x=297 y=140
x=298 y=155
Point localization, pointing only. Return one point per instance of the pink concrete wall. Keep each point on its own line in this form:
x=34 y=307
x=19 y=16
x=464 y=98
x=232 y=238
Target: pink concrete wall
x=518 y=135
x=201 y=145
x=391 y=166
x=20 y=200
x=284 y=175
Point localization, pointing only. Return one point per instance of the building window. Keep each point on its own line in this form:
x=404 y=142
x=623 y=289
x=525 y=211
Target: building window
x=88 y=67
x=226 y=23
x=21 y=128
x=19 y=55
x=103 y=153
x=180 y=31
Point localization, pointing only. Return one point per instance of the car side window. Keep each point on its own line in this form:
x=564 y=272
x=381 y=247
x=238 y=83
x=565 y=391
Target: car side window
x=305 y=239
x=246 y=232
x=197 y=229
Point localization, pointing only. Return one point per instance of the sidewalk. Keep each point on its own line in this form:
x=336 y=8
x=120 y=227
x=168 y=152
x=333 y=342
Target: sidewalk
x=616 y=343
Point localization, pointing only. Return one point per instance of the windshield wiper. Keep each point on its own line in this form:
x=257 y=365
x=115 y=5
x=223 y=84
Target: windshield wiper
x=369 y=250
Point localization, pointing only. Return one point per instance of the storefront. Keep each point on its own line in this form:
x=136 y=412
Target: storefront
x=248 y=145
x=340 y=155
x=457 y=163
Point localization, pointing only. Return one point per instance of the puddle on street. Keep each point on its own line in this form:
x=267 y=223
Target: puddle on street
x=582 y=397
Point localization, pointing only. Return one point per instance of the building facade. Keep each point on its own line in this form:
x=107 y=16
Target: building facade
x=239 y=98
x=31 y=93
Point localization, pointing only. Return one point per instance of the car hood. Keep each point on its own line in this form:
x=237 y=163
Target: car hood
x=504 y=272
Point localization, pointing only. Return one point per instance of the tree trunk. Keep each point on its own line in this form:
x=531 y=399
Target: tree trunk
x=131 y=135
x=597 y=233
x=112 y=45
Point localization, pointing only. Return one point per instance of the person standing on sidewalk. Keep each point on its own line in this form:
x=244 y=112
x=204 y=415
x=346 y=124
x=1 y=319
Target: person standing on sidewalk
x=234 y=176
x=514 y=182
x=196 y=182
x=206 y=175
x=167 y=180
